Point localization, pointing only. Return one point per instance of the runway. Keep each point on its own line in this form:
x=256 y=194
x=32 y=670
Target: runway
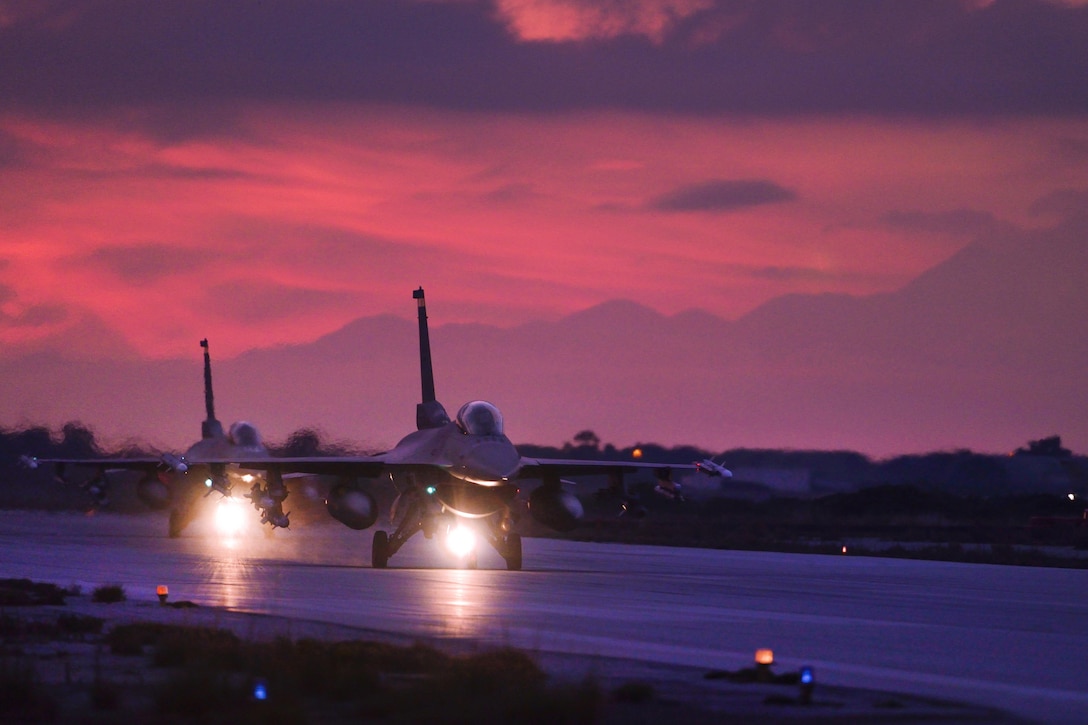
x=1014 y=638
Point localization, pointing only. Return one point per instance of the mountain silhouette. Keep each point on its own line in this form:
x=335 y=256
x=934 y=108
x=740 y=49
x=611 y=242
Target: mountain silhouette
x=983 y=351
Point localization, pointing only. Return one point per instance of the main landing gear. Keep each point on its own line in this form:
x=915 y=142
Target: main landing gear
x=379 y=551
x=445 y=525
x=511 y=551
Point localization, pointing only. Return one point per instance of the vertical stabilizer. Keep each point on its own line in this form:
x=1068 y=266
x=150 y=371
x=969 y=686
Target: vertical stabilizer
x=429 y=413
x=210 y=428
x=426 y=371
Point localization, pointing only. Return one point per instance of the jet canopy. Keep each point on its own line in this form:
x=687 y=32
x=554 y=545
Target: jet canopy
x=480 y=418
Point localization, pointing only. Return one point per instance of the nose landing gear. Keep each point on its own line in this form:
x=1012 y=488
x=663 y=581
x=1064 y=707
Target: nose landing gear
x=444 y=526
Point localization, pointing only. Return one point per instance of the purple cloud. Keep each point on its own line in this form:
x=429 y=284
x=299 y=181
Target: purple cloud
x=928 y=57
x=954 y=221
x=722 y=195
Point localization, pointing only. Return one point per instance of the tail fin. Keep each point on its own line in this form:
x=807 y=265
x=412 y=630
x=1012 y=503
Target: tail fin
x=210 y=428
x=429 y=413
x=425 y=370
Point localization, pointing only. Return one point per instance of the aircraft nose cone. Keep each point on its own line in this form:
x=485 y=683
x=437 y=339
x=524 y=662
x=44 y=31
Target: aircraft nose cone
x=491 y=462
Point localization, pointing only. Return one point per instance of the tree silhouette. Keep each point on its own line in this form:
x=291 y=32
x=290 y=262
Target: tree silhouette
x=1051 y=446
x=77 y=441
x=302 y=443
x=587 y=438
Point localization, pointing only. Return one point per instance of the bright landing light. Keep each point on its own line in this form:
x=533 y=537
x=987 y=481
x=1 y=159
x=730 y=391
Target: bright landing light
x=461 y=541
x=230 y=517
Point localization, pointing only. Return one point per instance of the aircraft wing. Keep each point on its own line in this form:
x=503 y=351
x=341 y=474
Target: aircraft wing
x=374 y=466
x=364 y=466
x=360 y=466
x=542 y=467
x=109 y=464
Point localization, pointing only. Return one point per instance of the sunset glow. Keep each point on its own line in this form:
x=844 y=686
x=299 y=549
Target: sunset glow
x=307 y=224
x=525 y=160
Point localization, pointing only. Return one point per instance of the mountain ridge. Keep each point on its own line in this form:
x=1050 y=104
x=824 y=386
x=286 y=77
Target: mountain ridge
x=982 y=351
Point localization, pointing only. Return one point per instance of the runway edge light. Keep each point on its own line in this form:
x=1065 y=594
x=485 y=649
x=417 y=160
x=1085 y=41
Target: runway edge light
x=808 y=682
x=163 y=593
x=764 y=660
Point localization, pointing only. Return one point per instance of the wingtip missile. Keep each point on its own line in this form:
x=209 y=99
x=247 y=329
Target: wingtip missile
x=174 y=463
x=711 y=468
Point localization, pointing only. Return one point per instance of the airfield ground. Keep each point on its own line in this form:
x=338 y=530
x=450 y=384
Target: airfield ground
x=57 y=654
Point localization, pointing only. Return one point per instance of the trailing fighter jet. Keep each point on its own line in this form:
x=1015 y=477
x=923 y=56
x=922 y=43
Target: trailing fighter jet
x=453 y=476
x=179 y=482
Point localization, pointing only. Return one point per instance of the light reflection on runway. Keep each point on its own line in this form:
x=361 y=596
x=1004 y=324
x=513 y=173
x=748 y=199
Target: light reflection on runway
x=1011 y=637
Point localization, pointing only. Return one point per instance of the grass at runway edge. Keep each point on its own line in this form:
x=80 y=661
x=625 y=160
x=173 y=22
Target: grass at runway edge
x=204 y=674
x=197 y=673
x=133 y=664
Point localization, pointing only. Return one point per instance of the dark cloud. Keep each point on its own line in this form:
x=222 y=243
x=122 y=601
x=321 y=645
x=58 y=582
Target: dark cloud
x=35 y=316
x=156 y=171
x=795 y=274
x=12 y=153
x=22 y=151
x=333 y=245
x=955 y=221
x=145 y=264
x=341 y=255
x=1061 y=204
x=211 y=119
x=917 y=57
x=191 y=173
x=511 y=193
x=1073 y=149
x=255 y=302
x=723 y=195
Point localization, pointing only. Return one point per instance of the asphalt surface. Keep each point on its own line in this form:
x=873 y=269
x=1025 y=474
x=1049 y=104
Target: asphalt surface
x=1010 y=638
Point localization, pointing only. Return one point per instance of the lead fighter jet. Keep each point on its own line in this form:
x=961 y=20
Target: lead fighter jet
x=451 y=473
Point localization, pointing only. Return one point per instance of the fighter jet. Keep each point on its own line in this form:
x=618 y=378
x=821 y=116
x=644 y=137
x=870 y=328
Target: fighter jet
x=453 y=476
x=178 y=482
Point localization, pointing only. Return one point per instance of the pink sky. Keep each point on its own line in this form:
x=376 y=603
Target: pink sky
x=307 y=220
x=306 y=164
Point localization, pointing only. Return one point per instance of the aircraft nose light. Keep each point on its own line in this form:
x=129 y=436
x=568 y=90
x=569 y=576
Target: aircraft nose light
x=461 y=541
